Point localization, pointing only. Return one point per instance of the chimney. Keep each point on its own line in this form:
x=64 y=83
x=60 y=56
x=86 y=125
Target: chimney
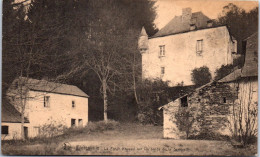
x=186 y=14
x=209 y=23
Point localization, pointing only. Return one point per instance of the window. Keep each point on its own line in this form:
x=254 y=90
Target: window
x=73 y=104
x=199 y=47
x=46 y=101
x=5 y=130
x=73 y=122
x=162 y=70
x=162 y=50
x=184 y=102
x=80 y=122
x=224 y=100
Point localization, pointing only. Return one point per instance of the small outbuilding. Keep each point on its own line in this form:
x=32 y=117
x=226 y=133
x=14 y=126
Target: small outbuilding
x=11 y=122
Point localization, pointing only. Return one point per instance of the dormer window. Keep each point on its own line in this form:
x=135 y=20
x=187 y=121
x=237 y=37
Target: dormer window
x=73 y=104
x=199 y=47
x=162 y=51
x=192 y=27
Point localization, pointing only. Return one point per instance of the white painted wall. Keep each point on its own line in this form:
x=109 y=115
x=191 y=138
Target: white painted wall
x=59 y=112
x=170 y=129
x=14 y=131
x=181 y=57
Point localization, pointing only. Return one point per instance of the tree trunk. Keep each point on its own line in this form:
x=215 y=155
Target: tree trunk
x=22 y=119
x=134 y=81
x=104 y=87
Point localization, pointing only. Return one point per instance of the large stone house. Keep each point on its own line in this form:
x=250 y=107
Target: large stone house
x=215 y=107
x=44 y=103
x=188 y=41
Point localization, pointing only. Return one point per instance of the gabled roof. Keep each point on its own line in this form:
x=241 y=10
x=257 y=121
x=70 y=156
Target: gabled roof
x=10 y=114
x=250 y=67
x=51 y=87
x=178 y=25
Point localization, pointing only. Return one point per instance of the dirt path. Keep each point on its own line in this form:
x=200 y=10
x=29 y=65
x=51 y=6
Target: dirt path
x=128 y=139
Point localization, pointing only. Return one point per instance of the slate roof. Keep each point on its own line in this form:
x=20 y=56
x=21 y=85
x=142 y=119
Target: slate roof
x=143 y=32
x=52 y=87
x=250 y=67
x=178 y=25
x=10 y=114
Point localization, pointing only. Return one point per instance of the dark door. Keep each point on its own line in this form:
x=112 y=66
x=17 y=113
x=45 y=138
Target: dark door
x=25 y=132
x=73 y=122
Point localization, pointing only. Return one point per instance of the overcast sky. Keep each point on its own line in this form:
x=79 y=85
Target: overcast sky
x=167 y=9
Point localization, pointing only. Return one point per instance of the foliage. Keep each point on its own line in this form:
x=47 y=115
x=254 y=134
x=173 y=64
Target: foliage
x=210 y=136
x=223 y=71
x=200 y=76
x=54 y=38
x=184 y=121
x=51 y=129
x=152 y=95
x=107 y=47
x=99 y=126
x=238 y=19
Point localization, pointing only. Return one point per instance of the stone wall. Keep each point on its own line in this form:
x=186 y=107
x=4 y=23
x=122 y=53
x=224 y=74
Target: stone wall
x=209 y=107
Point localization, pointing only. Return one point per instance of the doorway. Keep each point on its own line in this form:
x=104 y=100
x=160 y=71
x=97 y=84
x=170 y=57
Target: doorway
x=25 y=129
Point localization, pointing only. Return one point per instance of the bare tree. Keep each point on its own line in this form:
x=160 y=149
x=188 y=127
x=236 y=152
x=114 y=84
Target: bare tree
x=28 y=51
x=243 y=121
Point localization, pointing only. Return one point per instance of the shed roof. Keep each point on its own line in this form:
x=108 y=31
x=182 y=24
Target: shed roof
x=232 y=76
x=10 y=114
x=250 y=67
x=51 y=87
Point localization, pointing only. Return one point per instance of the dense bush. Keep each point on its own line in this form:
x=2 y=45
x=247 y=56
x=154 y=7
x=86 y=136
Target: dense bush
x=99 y=126
x=51 y=129
x=201 y=76
x=223 y=71
x=151 y=95
x=49 y=138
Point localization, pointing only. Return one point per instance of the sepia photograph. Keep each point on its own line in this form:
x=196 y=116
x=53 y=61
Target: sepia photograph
x=129 y=77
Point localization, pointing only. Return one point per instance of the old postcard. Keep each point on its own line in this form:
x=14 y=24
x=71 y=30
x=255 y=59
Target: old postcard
x=128 y=77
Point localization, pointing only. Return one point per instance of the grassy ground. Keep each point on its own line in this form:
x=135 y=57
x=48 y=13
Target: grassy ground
x=126 y=139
